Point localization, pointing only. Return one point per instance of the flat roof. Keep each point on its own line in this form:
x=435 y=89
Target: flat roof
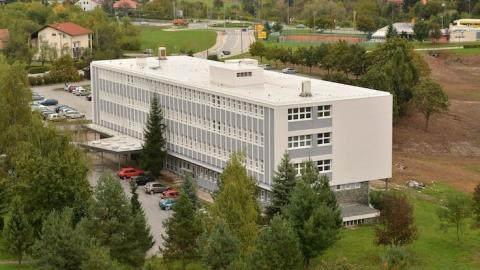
x=354 y=211
x=278 y=89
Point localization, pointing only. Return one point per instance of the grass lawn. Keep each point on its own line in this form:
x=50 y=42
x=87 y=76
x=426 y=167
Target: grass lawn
x=434 y=248
x=15 y=267
x=196 y=40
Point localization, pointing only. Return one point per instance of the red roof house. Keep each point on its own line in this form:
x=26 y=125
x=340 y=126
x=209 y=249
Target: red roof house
x=125 y=4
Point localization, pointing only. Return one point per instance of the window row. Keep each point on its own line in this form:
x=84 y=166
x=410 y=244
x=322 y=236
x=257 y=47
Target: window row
x=244 y=74
x=348 y=186
x=323 y=166
x=305 y=141
x=305 y=113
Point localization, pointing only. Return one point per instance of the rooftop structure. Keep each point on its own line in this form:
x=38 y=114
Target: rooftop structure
x=400 y=27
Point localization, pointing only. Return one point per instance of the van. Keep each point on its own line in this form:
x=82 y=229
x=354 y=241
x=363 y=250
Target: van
x=54 y=117
x=155 y=187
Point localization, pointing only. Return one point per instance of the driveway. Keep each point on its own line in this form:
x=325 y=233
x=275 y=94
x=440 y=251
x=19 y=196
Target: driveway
x=235 y=41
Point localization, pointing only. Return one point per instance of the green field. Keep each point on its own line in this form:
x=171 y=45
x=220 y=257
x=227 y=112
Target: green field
x=176 y=41
x=434 y=248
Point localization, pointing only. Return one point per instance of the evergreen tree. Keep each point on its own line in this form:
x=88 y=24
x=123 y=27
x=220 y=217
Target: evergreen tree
x=283 y=184
x=182 y=231
x=61 y=246
x=153 y=152
x=236 y=203
x=219 y=248
x=136 y=206
x=17 y=232
x=98 y=258
x=313 y=212
x=391 y=32
x=277 y=247
x=115 y=227
x=189 y=188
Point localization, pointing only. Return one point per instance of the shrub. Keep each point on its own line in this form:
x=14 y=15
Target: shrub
x=471 y=46
x=130 y=43
x=80 y=64
x=339 y=78
x=376 y=199
x=394 y=258
x=38 y=69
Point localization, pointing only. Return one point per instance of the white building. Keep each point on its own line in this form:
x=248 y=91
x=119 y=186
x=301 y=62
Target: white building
x=213 y=109
x=465 y=30
x=89 y=5
x=401 y=28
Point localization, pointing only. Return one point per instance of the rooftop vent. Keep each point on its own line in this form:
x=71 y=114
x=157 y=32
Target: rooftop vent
x=306 y=89
x=162 y=53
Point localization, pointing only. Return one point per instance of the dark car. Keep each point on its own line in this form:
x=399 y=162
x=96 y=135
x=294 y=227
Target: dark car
x=143 y=179
x=88 y=97
x=49 y=102
x=225 y=52
x=59 y=107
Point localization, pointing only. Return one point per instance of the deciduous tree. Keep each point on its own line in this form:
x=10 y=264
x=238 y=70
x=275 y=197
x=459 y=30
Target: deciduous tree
x=64 y=70
x=421 y=30
x=429 y=98
x=476 y=205
x=396 y=225
x=258 y=49
x=283 y=184
x=454 y=213
x=153 y=151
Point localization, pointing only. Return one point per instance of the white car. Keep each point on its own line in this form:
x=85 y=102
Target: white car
x=55 y=117
x=288 y=70
x=74 y=115
x=80 y=91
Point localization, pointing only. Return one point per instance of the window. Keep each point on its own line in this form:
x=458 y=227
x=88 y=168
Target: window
x=244 y=74
x=324 y=138
x=299 y=167
x=298 y=142
x=303 y=113
x=324 y=166
x=324 y=111
x=348 y=186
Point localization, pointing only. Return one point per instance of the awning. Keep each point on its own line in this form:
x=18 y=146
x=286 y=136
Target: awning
x=356 y=211
x=117 y=143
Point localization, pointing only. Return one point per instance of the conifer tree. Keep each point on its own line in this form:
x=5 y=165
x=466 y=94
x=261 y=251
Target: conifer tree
x=153 y=152
x=189 y=188
x=18 y=232
x=283 y=184
x=277 y=247
x=219 y=248
x=182 y=231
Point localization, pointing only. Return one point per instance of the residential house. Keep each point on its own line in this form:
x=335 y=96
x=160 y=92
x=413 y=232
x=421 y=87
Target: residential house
x=89 y=5
x=125 y=5
x=4 y=36
x=64 y=38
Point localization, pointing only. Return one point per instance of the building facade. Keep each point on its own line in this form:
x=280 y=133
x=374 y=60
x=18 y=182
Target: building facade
x=213 y=109
x=89 y=5
x=62 y=38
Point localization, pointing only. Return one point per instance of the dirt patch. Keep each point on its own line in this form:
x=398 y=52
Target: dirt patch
x=449 y=151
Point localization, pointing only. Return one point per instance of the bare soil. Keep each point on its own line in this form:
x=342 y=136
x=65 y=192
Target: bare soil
x=449 y=151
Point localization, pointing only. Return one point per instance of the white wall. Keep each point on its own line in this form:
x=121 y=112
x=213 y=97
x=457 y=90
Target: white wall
x=362 y=139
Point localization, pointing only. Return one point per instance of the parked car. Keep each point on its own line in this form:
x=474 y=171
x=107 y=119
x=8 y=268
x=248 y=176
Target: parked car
x=267 y=67
x=59 y=107
x=45 y=114
x=37 y=97
x=289 y=70
x=166 y=204
x=171 y=193
x=70 y=88
x=155 y=187
x=226 y=52
x=142 y=180
x=300 y=26
x=129 y=172
x=55 y=117
x=80 y=91
x=73 y=114
x=89 y=97
x=49 y=102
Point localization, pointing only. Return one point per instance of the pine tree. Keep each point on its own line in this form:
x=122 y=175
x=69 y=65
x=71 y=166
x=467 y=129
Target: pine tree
x=219 y=248
x=61 y=246
x=277 y=247
x=18 y=232
x=283 y=184
x=98 y=257
x=189 y=188
x=236 y=203
x=181 y=231
x=134 y=198
x=313 y=213
x=153 y=152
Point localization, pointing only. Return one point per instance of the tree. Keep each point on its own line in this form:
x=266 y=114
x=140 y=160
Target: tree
x=17 y=231
x=277 y=247
x=283 y=184
x=391 y=32
x=277 y=27
x=435 y=31
x=236 y=202
x=219 y=248
x=112 y=223
x=429 y=98
x=367 y=12
x=421 y=30
x=258 y=49
x=190 y=190
x=476 y=205
x=313 y=212
x=397 y=225
x=61 y=246
x=218 y=3
x=182 y=230
x=64 y=70
x=98 y=257
x=153 y=151
x=454 y=212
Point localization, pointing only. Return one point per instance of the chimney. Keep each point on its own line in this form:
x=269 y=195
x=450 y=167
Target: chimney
x=162 y=53
x=306 y=89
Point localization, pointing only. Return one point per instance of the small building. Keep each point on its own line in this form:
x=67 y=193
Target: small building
x=4 y=37
x=465 y=30
x=402 y=29
x=125 y=5
x=89 y=5
x=64 y=38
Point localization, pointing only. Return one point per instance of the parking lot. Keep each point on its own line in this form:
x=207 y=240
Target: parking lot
x=56 y=91
x=155 y=216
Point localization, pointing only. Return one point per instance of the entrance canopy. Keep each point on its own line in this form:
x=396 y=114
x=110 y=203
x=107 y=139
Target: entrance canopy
x=116 y=143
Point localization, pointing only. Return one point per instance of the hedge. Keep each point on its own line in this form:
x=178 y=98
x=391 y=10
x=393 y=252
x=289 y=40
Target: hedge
x=471 y=46
x=38 y=69
x=46 y=79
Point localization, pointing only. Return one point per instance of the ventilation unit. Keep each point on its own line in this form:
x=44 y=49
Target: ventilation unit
x=306 y=89
x=162 y=53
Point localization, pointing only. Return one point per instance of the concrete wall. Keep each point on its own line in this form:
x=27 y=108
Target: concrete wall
x=353 y=195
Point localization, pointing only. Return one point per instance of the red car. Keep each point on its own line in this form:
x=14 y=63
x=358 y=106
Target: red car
x=129 y=172
x=171 y=193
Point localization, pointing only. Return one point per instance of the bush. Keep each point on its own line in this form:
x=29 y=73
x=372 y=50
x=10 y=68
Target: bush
x=471 y=46
x=38 y=69
x=130 y=43
x=394 y=258
x=213 y=57
x=376 y=199
x=80 y=65
x=338 y=78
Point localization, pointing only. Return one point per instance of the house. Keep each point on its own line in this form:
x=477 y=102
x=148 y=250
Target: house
x=125 y=5
x=402 y=28
x=64 y=38
x=213 y=109
x=89 y=5
x=4 y=36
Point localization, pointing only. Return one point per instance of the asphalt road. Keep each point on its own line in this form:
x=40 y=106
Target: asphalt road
x=155 y=216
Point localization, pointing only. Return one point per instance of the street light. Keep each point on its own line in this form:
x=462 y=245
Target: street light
x=443 y=14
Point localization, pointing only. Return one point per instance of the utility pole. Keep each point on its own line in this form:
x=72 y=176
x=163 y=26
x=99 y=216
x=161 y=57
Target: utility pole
x=224 y=18
x=174 y=11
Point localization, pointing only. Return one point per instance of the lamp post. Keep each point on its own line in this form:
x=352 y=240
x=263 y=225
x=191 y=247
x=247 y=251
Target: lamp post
x=443 y=14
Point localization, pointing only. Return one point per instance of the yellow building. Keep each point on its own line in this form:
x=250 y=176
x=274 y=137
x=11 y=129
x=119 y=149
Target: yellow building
x=62 y=38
